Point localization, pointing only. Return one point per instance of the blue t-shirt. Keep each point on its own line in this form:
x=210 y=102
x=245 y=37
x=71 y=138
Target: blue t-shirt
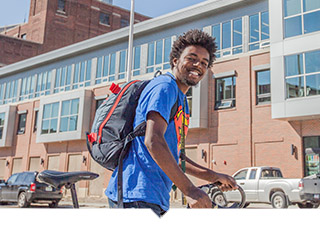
x=143 y=179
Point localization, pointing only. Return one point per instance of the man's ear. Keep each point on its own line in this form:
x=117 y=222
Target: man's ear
x=175 y=61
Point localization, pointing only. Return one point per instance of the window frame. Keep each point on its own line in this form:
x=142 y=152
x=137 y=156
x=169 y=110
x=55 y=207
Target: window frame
x=302 y=19
x=263 y=95
x=153 y=66
x=227 y=102
x=103 y=16
x=22 y=124
x=261 y=42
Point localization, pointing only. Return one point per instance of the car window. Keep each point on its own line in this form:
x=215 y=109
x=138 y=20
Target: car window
x=253 y=174
x=30 y=177
x=20 y=178
x=241 y=175
x=12 y=179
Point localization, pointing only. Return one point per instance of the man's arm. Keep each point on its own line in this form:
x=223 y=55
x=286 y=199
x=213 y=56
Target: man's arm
x=160 y=152
x=196 y=170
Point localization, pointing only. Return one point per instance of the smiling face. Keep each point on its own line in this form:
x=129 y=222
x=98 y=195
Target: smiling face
x=191 y=67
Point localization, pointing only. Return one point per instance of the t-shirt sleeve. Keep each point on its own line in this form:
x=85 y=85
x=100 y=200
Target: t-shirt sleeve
x=161 y=99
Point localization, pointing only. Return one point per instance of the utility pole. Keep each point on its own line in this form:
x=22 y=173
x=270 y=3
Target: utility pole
x=130 y=44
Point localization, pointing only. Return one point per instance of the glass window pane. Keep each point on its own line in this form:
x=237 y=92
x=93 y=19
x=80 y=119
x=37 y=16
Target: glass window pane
x=82 y=71
x=254 y=28
x=292 y=26
x=159 y=48
x=55 y=109
x=39 y=81
x=293 y=65
x=68 y=79
x=312 y=61
x=151 y=54
x=99 y=68
x=237 y=32
x=216 y=34
x=167 y=49
x=264 y=25
x=112 y=64
x=65 y=108
x=295 y=87
x=312 y=22
x=122 y=64
x=46 y=111
x=73 y=121
x=53 y=125
x=137 y=53
x=64 y=124
x=313 y=85
x=226 y=35
x=310 y=5
x=58 y=74
x=45 y=127
x=292 y=7
x=88 y=70
x=76 y=73
x=263 y=81
x=106 y=66
x=48 y=86
x=63 y=76
x=2 y=115
x=75 y=106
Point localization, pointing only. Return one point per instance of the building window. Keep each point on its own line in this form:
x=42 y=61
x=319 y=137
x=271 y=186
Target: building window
x=63 y=79
x=263 y=87
x=258 y=30
x=24 y=36
x=35 y=125
x=66 y=111
x=22 y=123
x=302 y=74
x=9 y=92
x=225 y=92
x=27 y=88
x=301 y=17
x=2 y=116
x=50 y=118
x=69 y=115
x=228 y=37
x=159 y=55
x=136 y=60
x=82 y=74
x=106 y=66
x=104 y=18
x=124 y=23
x=122 y=64
x=62 y=5
x=43 y=84
x=189 y=100
x=311 y=146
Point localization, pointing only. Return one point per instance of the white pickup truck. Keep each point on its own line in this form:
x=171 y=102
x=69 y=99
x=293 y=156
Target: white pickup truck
x=267 y=185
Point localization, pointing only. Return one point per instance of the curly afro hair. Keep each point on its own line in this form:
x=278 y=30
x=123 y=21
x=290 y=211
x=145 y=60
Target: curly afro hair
x=193 y=37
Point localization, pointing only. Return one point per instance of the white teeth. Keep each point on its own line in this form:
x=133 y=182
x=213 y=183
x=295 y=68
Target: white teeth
x=194 y=73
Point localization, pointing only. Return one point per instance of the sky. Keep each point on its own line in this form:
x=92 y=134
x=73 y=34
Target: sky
x=17 y=11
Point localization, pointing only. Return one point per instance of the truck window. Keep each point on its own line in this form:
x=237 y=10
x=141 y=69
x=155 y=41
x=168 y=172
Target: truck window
x=270 y=173
x=241 y=175
x=253 y=174
x=12 y=179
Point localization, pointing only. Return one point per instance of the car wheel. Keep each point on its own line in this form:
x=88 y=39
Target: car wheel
x=54 y=204
x=278 y=200
x=316 y=206
x=246 y=205
x=22 y=200
x=219 y=199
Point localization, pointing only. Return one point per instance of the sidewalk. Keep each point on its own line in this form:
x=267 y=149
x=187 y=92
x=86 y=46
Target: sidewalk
x=100 y=202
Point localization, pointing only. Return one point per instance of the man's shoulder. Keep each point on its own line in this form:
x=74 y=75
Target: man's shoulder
x=165 y=80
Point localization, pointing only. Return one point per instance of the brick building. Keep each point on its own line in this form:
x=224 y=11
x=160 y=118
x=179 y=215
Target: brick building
x=259 y=105
x=57 y=23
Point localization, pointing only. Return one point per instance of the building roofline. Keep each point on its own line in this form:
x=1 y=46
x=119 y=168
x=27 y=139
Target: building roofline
x=168 y=20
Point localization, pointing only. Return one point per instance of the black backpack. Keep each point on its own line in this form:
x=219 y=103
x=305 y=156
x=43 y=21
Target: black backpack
x=112 y=129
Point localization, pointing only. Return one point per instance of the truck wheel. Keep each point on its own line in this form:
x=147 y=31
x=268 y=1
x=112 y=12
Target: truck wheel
x=278 y=200
x=54 y=204
x=22 y=200
x=219 y=199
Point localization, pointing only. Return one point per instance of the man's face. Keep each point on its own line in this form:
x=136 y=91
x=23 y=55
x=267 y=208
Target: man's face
x=192 y=65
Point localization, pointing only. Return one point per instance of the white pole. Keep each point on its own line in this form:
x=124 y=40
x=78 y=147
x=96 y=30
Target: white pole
x=130 y=45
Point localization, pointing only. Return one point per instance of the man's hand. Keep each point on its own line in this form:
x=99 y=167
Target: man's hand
x=198 y=199
x=227 y=182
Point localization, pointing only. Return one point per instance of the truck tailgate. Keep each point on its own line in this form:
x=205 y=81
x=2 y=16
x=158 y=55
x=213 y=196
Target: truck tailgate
x=312 y=186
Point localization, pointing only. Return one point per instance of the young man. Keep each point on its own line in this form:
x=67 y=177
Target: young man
x=152 y=162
